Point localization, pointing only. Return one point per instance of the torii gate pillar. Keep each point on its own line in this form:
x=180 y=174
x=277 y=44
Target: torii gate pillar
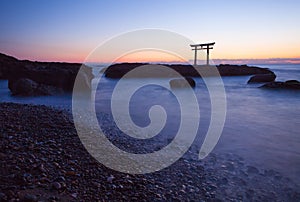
x=204 y=46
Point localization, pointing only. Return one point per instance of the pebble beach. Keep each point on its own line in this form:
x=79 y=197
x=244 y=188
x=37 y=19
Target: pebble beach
x=42 y=159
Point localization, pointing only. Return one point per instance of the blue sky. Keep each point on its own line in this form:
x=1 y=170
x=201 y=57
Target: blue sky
x=67 y=30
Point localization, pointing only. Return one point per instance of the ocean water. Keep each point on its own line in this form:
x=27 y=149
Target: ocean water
x=262 y=125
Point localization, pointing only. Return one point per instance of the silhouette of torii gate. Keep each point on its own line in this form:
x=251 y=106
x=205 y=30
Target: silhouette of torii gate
x=203 y=46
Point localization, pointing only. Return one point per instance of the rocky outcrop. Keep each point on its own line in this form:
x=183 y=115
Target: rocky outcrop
x=22 y=87
x=119 y=70
x=241 y=70
x=262 y=78
x=182 y=83
x=290 y=84
x=27 y=87
x=47 y=75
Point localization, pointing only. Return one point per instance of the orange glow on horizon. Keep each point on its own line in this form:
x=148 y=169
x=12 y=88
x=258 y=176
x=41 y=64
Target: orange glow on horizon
x=150 y=56
x=147 y=56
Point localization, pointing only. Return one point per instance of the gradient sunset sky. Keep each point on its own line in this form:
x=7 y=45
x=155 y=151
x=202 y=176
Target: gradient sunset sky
x=68 y=30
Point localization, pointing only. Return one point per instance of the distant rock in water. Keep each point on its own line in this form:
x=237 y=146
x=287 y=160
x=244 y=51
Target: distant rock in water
x=290 y=84
x=50 y=77
x=182 y=83
x=260 y=78
x=120 y=69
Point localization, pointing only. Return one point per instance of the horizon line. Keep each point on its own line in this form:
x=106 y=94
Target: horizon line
x=276 y=60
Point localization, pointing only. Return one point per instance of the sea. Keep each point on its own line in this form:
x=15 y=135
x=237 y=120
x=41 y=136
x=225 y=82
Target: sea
x=261 y=125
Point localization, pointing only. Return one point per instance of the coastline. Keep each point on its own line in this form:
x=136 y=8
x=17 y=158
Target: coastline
x=42 y=158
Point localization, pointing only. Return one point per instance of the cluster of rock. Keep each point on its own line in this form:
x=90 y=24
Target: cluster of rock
x=29 y=78
x=289 y=84
x=269 y=82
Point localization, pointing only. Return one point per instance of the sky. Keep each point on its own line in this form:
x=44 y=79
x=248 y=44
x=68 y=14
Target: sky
x=68 y=30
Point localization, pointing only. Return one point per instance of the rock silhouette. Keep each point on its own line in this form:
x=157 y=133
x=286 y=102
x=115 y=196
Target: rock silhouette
x=51 y=77
x=120 y=69
x=260 y=78
x=290 y=84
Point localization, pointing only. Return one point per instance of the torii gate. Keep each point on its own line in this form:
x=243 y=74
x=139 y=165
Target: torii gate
x=203 y=46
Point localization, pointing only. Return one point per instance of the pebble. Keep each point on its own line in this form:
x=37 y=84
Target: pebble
x=70 y=173
x=74 y=195
x=110 y=179
x=42 y=168
x=3 y=197
x=61 y=179
x=56 y=185
x=223 y=181
x=252 y=170
x=30 y=198
x=54 y=198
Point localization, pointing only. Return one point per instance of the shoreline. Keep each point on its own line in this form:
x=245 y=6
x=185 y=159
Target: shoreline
x=42 y=158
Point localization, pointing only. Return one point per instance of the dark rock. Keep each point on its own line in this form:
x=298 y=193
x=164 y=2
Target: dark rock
x=290 y=84
x=27 y=87
x=241 y=70
x=119 y=70
x=274 y=84
x=51 y=77
x=182 y=83
x=22 y=87
x=260 y=78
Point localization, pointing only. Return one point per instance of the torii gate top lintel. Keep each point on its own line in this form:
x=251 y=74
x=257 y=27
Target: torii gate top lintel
x=202 y=46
